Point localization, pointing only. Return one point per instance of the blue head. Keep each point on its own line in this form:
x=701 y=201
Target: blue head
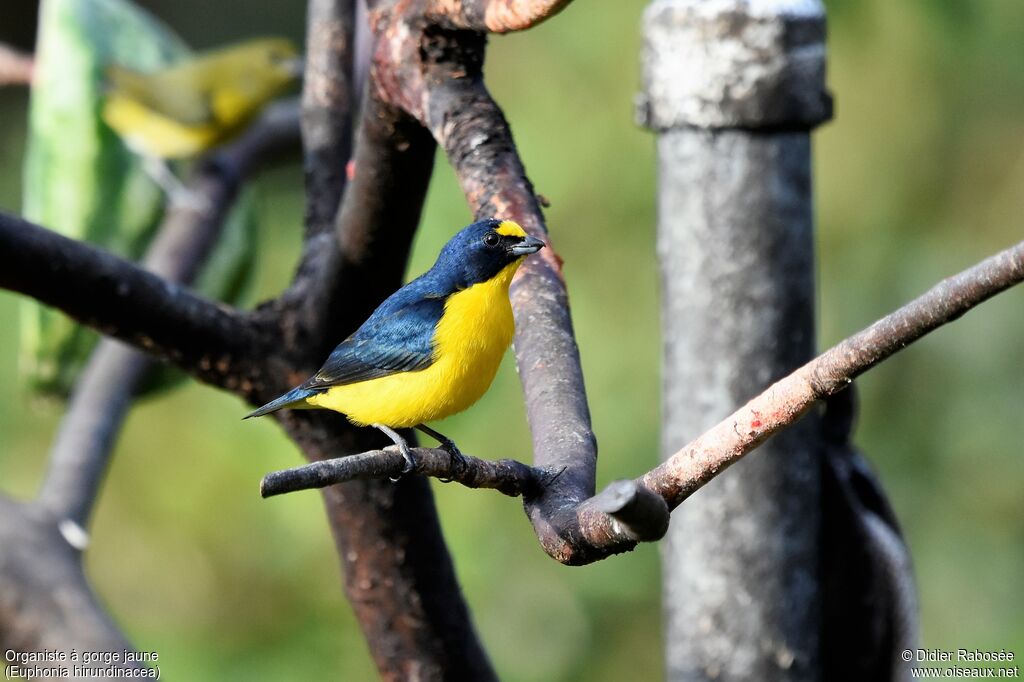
x=482 y=250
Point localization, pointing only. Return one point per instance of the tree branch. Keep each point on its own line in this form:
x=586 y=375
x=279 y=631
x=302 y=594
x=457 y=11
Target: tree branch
x=507 y=476
x=495 y=16
x=85 y=440
x=832 y=371
x=399 y=576
x=593 y=529
x=373 y=231
x=120 y=299
x=393 y=157
x=476 y=137
x=328 y=102
x=46 y=602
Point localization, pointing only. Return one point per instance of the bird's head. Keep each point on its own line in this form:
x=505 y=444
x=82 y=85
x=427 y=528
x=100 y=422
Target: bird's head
x=280 y=56
x=262 y=66
x=485 y=248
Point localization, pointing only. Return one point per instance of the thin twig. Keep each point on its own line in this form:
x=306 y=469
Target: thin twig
x=832 y=371
x=507 y=476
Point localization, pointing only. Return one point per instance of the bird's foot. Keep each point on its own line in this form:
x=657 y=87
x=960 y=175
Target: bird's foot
x=185 y=199
x=179 y=197
x=403 y=447
x=459 y=463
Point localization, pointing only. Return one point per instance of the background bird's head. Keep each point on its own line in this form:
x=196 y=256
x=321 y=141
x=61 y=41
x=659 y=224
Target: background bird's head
x=266 y=65
x=482 y=250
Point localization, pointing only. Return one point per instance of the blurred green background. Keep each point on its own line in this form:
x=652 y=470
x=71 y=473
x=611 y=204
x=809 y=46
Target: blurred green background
x=920 y=174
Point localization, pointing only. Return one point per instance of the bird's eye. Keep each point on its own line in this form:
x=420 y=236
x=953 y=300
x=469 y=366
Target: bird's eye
x=491 y=239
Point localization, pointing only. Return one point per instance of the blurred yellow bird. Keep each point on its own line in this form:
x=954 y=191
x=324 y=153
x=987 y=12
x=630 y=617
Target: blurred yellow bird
x=184 y=110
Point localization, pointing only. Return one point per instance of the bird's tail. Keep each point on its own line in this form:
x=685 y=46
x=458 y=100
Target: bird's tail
x=294 y=397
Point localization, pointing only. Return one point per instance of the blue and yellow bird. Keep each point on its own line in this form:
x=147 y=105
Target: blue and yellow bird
x=432 y=348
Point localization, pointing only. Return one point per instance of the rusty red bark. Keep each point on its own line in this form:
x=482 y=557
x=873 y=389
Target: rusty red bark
x=494 y=16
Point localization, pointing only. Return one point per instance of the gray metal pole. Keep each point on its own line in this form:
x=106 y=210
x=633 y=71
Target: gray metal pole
x=733 y=88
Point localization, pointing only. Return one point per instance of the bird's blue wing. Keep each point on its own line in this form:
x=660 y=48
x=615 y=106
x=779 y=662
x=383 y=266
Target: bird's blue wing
x=398 y=337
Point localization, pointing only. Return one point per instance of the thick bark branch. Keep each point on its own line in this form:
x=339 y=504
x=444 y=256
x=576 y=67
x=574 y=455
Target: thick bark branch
x=122 y=300
x=495 y=183
x=46 y=602
x=495 y=16
x=375 y=227
x=328 y=102
x=476 y=137
x=373 y=231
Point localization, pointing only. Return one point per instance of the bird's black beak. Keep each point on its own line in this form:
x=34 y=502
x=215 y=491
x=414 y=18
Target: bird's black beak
x=527 y=246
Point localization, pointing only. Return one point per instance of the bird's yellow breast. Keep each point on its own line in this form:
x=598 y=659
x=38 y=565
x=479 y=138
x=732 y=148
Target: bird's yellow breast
x=470 y=339
x=153 y=134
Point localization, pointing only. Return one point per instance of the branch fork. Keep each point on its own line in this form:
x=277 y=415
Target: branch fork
x=631 y=511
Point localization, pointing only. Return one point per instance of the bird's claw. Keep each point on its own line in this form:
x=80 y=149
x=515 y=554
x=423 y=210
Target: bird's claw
x=410 y=463
x=403 y=447
x=458 y=460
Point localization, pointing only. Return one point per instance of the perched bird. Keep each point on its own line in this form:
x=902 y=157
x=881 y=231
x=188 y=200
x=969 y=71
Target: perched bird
x=432 y=348
x=186 y=109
